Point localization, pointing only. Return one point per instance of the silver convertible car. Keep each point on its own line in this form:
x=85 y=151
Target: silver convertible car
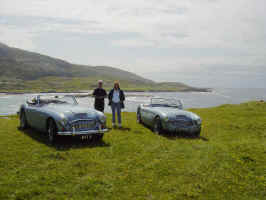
x=61 y=116
x=168 y=115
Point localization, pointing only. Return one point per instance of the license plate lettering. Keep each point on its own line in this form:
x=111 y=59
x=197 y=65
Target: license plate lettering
x=85 y=137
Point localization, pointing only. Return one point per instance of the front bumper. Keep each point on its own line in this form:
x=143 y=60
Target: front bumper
x=192 y=129
x=185 y=129
x=80 y=133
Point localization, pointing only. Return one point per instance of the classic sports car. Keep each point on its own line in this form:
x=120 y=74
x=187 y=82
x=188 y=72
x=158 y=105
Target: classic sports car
x=168 y=115
x=59 y=116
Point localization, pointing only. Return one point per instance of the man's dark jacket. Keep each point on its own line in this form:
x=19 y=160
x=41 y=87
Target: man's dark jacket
x=121 y=96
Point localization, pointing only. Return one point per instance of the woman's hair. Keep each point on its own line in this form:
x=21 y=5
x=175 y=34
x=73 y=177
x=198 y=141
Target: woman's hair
x=116 y=83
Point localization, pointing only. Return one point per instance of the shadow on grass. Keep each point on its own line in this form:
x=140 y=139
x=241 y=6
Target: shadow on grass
x=174 y=136
x=183 y=136
x=64 y=143
x=119 y=128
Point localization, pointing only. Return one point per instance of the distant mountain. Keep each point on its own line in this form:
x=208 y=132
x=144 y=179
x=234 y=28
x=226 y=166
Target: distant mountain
x=22 y=70
x=27 y=65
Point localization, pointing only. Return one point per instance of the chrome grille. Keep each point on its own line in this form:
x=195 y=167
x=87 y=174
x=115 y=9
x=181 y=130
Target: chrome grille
x=83 y=125
x=182 y=120
x=81 y=116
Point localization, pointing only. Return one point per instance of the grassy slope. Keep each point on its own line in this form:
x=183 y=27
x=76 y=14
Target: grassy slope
x=65 y=84
x=24 y=71
x=227 y=162
x=75 y=84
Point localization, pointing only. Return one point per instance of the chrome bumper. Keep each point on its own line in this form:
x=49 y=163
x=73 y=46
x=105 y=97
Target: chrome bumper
x=189 y=129
x=89 y=132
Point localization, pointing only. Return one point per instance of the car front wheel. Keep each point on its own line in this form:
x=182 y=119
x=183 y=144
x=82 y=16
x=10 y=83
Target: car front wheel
x=99 y=137
x=197 y=133
x=157 y=127
x=139 y=117
x=52 y=131
x=23 y=120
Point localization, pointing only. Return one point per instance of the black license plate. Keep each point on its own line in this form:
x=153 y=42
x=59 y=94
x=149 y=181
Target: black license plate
x=86 y=137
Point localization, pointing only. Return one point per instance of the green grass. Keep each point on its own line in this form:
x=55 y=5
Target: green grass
x=228 y=161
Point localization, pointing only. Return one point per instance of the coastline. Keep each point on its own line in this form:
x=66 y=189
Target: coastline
x=6 y=116
x=88 y=93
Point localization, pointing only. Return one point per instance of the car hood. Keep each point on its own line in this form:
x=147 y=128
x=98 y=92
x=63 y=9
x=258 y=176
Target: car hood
x=72 y=111
x=173 y=112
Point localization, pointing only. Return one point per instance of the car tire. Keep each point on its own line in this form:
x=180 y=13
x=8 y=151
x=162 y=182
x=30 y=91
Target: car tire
x=139 y=117
x=52 y=131
x=197 y=133
x=157 y=126
x=23 y=121
x=95 y=138
x=99 y=137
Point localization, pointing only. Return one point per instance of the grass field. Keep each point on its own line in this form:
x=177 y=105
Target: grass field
x=228 y=161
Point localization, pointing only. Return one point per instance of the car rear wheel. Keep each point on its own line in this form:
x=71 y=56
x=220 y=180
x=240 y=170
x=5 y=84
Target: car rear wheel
x=139 y=117
x=23 y=121
x=52 y=131
x=157 y=127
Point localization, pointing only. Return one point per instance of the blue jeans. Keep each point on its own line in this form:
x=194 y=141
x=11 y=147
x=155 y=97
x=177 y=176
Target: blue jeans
x=116 y=107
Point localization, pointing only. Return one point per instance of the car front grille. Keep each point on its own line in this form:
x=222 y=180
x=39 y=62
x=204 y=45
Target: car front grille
x=81 y=116
x=83 y=125
x=182 y=120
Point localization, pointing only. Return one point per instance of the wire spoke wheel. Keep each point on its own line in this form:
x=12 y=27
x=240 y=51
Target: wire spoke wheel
x=52 y=131
x=197 y=133
x=97 y=137
x=100 y=136
x=23 y=121
x=157 y=128
x=139 y=117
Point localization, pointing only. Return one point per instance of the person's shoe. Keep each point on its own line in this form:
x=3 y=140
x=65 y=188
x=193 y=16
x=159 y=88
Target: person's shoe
x=119 y=125
x=113 y=124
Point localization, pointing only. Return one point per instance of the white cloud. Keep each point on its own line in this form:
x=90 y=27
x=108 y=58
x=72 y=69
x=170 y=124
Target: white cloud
x=134 y=43
x=16 y=37
x=205 y=23
x=189 y=34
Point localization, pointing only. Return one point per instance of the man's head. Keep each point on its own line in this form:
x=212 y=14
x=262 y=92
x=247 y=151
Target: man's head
x=100 y=83
x=116 y=85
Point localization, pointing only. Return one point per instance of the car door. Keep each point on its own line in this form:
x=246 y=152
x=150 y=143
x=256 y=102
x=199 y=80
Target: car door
x=33 y=115
x=40 y=118
x=30 y=114
x=150 y=116
x=144 y=115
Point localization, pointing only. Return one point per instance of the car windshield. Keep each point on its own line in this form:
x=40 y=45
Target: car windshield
x=57 y=100
x=166 y=102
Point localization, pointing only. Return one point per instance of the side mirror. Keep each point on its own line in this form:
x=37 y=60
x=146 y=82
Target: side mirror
x=30 y=102
x=181 y=105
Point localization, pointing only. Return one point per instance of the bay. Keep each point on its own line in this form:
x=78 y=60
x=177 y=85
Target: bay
x=9 y=104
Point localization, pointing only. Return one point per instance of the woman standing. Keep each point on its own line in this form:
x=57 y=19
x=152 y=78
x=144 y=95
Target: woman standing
x=116 y=101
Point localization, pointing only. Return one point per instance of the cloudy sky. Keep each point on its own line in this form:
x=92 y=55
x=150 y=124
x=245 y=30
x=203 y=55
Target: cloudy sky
x=213 y=43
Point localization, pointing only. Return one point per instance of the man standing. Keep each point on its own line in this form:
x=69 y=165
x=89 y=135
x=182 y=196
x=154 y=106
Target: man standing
x=99 y=94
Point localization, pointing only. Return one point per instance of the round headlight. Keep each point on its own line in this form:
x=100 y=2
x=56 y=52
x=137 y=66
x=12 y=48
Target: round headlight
x=102 y=119
x=64 y=122
x=198 y=121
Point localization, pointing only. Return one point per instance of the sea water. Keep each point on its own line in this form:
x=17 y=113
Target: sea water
x=9 y=104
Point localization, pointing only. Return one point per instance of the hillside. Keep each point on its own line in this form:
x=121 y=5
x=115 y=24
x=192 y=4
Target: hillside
x=22 y=70
x=226 y=162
